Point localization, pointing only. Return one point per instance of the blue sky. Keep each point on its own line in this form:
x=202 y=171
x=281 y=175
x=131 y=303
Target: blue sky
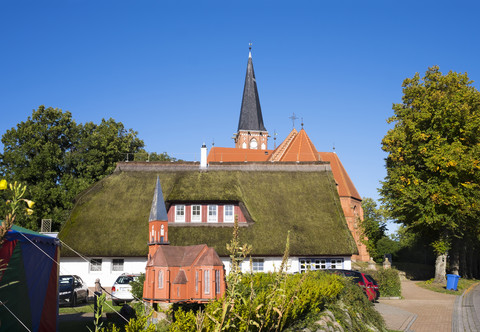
x=174 y=70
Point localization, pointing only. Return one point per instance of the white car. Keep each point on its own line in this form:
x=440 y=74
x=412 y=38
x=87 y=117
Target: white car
x=122 y=290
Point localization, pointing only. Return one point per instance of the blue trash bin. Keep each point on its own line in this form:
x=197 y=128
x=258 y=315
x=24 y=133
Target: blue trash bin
x=452 y=281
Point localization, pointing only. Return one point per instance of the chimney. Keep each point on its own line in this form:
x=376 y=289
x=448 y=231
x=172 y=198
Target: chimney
x=203 y=156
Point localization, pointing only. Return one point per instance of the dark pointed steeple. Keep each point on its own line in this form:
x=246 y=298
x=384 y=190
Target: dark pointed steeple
x=251 y=132
x=251 y=112
x=158 y=210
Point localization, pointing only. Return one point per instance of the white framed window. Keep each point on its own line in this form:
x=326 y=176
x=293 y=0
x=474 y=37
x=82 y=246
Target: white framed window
x=244 y=145
x=96 y=264
x=180 y=213
x=264 y=146
x=217 y=281
x=206 y=281
x=196 y=213
x=117 y=264
x=336 y=263
x=212 y=213
x=312 y=264
x=160 y=279
x=228 y=213
x=257 y=264
x=253 y=144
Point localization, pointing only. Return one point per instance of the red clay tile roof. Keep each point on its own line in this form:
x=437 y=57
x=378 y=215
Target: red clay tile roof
x=182 y=256
x=167 y=255
x=218 y=154
x=296 y=147
x=345 y=184
x=181 y=278
x=209 y=258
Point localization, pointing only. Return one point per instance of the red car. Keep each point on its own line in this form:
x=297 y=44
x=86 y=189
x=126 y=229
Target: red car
x=359 y=278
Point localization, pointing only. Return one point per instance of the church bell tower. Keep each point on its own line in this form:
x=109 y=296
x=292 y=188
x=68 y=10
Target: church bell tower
x=157 y=222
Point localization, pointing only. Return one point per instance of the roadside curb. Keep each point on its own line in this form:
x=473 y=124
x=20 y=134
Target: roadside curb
x=464 y=316
x=390 y=298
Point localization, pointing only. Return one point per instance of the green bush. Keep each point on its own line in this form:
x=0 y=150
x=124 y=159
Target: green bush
x=268 y=301
x=137 y=287
x=354 y=309
x=388 y=282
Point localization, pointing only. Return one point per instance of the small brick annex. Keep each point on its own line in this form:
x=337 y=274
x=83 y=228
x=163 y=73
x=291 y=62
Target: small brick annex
x=178 y=273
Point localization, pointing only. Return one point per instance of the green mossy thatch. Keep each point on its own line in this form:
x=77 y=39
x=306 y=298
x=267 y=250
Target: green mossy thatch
x=111 y=218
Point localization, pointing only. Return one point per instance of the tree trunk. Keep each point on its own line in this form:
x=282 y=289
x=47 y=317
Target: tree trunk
x=470 y=263
x=440 y=268
x=475 y=264
x=455 y=258
x=463 y=259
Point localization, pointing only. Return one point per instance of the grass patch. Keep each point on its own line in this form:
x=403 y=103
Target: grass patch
x=88 y=307
x=76 y=325
x=463 y=284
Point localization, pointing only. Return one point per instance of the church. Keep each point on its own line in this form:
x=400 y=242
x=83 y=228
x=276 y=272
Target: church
x=178 y=273
x=251 y=145
x=292 y=191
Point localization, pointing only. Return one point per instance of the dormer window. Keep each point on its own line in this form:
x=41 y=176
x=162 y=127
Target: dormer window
x=228 y=213
x=212 y=213
x=180 y=213
x=196 y=213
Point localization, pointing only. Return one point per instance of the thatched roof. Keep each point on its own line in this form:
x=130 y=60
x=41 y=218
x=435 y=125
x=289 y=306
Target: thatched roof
x=111 y=218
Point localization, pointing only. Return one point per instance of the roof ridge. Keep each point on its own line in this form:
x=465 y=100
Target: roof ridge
x=282 y=148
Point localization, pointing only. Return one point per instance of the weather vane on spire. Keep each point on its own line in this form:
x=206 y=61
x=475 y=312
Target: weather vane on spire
x=302 y=122
x=250 y=49
x=293 y=117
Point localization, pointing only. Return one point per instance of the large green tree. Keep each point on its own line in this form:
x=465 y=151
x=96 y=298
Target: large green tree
x=374 y=225
x=57 y=158
x=433 y=162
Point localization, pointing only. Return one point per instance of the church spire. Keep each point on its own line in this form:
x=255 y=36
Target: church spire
x=157 y=222
x=158 y=210
x=251 y=119
x=250 y=112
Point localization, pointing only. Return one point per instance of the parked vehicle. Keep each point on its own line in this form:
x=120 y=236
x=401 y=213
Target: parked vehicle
x=375 y=286
x=72 y=289
x=122 y=290
x=360 y=279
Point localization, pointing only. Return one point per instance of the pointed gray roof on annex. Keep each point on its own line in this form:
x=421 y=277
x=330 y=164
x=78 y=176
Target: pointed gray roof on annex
x=250 y=112
x=158 y=210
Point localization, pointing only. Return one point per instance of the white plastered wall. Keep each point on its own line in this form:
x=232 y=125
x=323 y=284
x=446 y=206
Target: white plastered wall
x=271 y=264
x=80 y=267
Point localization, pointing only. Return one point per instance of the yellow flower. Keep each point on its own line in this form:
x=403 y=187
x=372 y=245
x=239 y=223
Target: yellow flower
x=29 y=211
x=29 y=203
x=3 y=184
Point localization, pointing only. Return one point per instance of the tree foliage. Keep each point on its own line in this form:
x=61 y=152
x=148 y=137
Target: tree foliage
x=57 y=158
x=433 y=163
x=374 y=225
